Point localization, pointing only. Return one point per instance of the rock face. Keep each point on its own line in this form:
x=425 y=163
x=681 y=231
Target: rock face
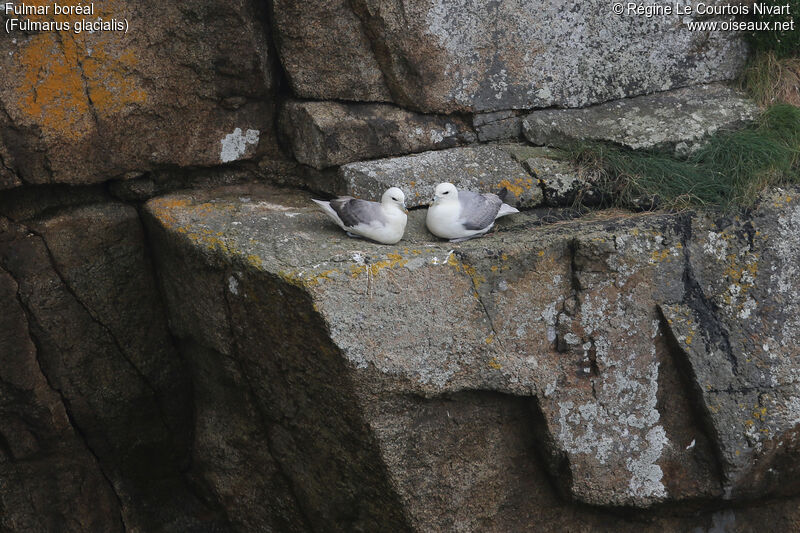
x=70 y=101
x=743 y=357
x=49 y=478
x=225 y=359
x=531 y=176
x=479 y=168
x=675 y=120
x=568 y=334
x=326 y=53
x=563 y=184
x=498 y=126
x=324 y=134
x=460 y=55
x=96 y=331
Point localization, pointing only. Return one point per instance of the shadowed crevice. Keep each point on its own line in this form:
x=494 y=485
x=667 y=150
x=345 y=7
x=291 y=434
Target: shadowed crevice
x=67 y=408
x=117 y=344
x=264 y=420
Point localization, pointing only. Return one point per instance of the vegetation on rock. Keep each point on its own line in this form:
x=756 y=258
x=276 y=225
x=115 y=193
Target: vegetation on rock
x=771 y=79
x=730 y=170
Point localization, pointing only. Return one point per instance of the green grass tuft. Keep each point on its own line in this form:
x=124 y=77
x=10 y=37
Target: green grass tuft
x=732 y=169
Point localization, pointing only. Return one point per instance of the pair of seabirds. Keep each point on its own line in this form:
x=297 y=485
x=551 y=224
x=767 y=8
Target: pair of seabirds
x=454 y=215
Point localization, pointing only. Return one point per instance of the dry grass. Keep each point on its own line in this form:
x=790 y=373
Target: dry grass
x=772 y=80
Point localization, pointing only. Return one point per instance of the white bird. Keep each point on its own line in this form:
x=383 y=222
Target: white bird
x=384 y=222
x=461 y=215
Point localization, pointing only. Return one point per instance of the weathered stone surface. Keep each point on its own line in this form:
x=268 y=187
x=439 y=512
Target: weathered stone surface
x=676 y=120
x=477 y=168
x=324 y=134
x=460 y=55
x=8 y=178
x=566 y=316
x=323 y=447
x=49 y=480
x=189 y=84
x=230 y=454
x=325 y=52
x=86 y=284
x=563 y=184
x=738 y=333
x=27 y=203
x=498 y=126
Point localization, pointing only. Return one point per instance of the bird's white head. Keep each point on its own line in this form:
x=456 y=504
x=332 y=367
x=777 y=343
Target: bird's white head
x=445 y=191
x=394 y=196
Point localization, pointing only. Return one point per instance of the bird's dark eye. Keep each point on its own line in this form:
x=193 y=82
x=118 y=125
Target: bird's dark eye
x=446 y=192
x=395 y=199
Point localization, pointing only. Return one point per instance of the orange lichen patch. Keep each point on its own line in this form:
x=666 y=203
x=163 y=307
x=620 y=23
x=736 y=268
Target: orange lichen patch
x=306 y=279
x=469 y=270
x=164 y=210
x=255 y=261
x=170 y=203
x=519 y=186
x=494 y=364
x=743 y=275
x=63 y=78
x=393 y=260
x=109 y=81
x=51 y=91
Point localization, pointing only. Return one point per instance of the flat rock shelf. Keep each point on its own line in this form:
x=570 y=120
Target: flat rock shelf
x=430 y=383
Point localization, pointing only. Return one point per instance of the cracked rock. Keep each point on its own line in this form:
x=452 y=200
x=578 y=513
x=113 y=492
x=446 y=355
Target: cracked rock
x=476 y=168
x=677 y=120
x=326 y=53
x=325 y=134
x=737 y=331
x=86 y=284
x=70 y=103
x=442 y=56
x=46 y=472
x=566 y=316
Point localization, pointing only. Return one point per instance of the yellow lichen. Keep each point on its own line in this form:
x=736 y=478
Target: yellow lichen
x=305 y=280
x=659 y=255
x=65 y=80
x=519 y=186
x=394 y=260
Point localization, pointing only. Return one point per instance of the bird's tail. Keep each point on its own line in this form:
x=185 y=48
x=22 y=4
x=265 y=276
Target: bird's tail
x=326 y=207
x=506 y=209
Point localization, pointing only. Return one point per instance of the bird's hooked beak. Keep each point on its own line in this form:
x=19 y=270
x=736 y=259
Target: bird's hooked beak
x=405 y=209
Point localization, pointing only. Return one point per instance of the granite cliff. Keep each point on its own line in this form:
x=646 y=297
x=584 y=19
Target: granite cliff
x=186 y=345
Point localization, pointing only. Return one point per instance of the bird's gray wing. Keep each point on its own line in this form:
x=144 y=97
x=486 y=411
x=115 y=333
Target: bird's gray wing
x=478 y=210
x=353 y=211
